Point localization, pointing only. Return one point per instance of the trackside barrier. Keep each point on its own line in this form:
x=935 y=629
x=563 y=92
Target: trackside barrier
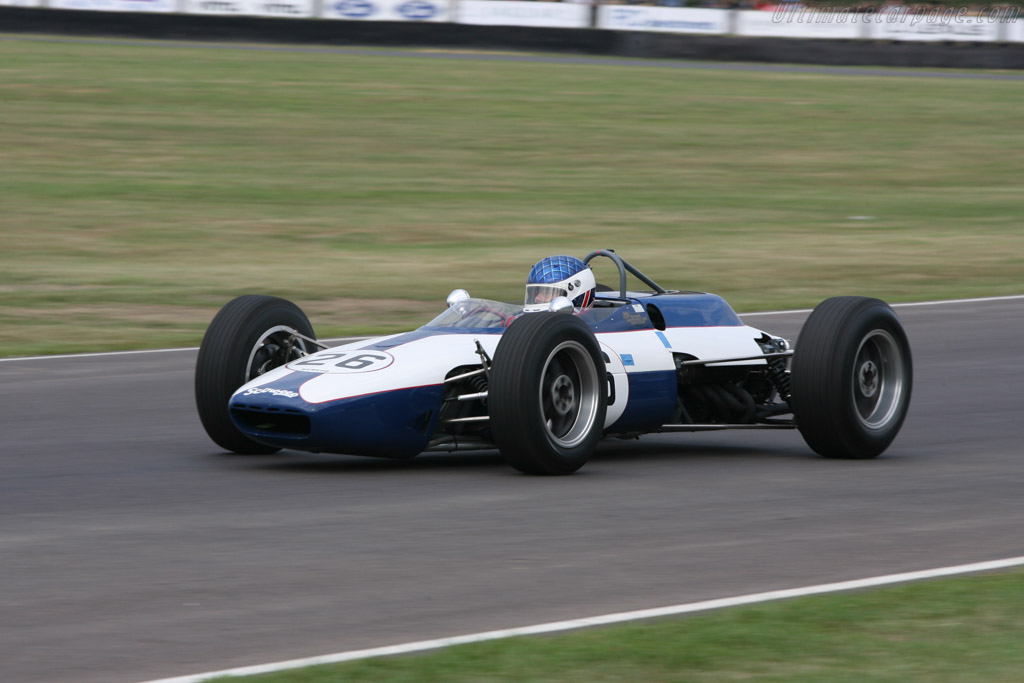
x=162 y=6
x=511 y=13
x=386 y=10
x=892 y=24
x=255 y=8
x=955 y=25
x=889 y=25
x=664 y=19
x=1014 y=31
x=799 y=24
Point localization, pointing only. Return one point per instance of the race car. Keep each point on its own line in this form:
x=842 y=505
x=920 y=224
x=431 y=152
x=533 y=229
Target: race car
x=545 y=386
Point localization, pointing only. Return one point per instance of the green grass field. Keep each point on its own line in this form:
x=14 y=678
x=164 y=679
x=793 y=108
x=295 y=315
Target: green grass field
x=141 y=187
x=961 y=630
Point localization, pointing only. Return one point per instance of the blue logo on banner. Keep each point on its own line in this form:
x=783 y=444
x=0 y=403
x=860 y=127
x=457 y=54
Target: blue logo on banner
x=355 y=8
x=417 y=9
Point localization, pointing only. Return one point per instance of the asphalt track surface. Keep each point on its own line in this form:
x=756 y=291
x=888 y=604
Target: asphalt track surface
x=132 y=549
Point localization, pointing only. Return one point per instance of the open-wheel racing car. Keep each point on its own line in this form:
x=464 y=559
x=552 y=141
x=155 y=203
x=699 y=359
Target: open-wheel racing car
x=545 y=384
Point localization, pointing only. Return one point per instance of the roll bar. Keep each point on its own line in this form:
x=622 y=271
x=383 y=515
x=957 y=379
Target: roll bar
x=623 y=266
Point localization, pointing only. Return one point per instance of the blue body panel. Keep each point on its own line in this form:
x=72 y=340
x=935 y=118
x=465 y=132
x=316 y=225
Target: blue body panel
x=389 y=424
x=694 y=310
x=688 y=309
x=652 y=401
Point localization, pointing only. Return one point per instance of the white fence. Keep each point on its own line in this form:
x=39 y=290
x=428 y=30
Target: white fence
x=256 y=8
x=386 y=10
x=510 y=13
x=940 y=24
x=799 y=24
x=1015 y=32
x=164 y=6
x=663 y=19
x=888 y=24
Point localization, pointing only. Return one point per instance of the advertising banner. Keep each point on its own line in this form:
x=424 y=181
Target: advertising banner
x=938 y=24
x=386 y=10
x=665 y=19
x=258 y=8
x=800 y=22
x=508 y=13
x=1015 y=30
x=116 y=5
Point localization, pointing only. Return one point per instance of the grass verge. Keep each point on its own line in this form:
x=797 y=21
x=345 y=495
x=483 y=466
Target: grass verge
x=945 y=631
x=145 y=185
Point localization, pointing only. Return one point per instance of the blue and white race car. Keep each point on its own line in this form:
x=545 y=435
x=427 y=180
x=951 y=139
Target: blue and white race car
x=545 y=382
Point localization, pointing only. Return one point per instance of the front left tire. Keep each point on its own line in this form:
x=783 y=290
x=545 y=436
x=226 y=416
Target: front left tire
x=248 y=337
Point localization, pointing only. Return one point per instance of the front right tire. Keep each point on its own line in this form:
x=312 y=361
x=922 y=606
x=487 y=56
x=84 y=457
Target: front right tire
x=546 y=399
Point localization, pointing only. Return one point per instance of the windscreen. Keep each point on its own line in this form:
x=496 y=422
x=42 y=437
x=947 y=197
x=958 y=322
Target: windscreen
x=477 y=313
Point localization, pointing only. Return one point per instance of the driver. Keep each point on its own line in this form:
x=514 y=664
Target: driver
x=557 y=276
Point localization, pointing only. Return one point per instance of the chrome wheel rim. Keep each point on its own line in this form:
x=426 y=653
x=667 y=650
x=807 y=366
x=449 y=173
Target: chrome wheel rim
x=274 y=348
x=879 y=379
x=569 y=394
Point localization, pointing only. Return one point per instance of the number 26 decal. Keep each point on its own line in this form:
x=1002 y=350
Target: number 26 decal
x=349 y=361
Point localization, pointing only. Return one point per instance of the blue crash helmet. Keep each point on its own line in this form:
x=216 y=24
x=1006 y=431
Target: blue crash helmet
x=557 y=276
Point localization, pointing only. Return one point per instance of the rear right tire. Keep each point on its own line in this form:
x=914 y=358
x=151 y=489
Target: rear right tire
x=851 y=378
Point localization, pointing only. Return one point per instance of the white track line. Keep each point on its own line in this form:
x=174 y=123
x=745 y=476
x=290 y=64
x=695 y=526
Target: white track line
x=97 y=355
x=1011 y=297
x=981 y=300
x=100 y=354
x=984 y=299
x=573 y=624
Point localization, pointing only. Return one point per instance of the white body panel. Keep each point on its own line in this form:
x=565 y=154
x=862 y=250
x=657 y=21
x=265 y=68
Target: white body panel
x=356 y=369
x=419 y=363
x=716 y=342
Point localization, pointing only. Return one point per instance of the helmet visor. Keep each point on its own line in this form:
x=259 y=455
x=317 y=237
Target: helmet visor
x=542 y=294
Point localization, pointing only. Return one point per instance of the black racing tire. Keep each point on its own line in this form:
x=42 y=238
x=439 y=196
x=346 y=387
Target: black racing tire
x=547 y=394
x=851 y=378
x=244 y=340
